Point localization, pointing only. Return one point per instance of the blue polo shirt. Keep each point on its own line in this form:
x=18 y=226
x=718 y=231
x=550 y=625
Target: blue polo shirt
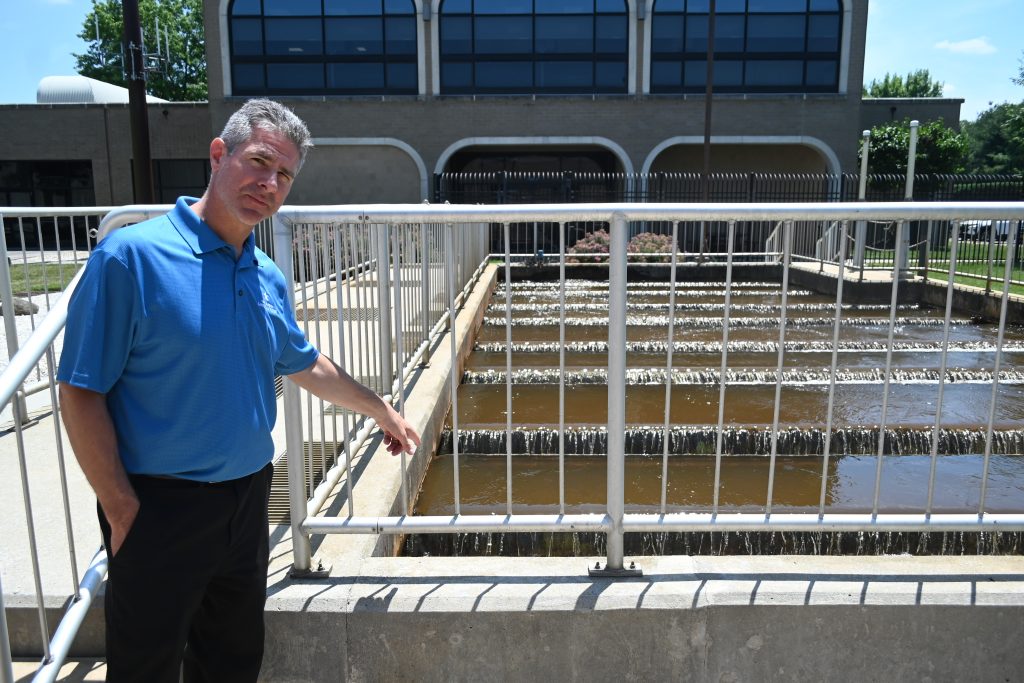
x=185 y=341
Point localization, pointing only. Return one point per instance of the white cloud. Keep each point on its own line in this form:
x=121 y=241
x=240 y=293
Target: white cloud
x=973 y=46
x=948 y=89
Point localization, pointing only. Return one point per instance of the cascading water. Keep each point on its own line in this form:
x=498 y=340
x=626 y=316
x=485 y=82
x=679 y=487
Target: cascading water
x=747 y=436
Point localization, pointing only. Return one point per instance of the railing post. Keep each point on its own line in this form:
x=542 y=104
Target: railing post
x=908 y=195
x=384 y=309
x=617 y=278
x=292 y=414
x=861 y=229
x=6 y=667
x=10 y=327
x=425 y=286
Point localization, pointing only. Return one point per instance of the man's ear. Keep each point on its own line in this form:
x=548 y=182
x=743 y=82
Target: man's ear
x=218 y=151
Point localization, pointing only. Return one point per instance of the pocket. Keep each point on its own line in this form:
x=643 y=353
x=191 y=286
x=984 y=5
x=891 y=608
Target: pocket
x=133 y=533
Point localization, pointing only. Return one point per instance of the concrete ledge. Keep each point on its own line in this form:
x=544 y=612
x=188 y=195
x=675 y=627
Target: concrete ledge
x=700 y=619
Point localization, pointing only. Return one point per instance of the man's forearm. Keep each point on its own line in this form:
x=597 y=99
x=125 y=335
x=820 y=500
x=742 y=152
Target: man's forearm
x=91 y=433
x=328 y=381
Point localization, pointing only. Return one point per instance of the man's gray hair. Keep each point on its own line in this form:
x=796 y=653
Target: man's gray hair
x=269 y=116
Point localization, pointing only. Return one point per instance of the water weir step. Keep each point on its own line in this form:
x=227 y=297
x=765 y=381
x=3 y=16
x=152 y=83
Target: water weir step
x=803 y=376
x=702 y=440
x=500 y=307
x=714 y=322
x=744 y=347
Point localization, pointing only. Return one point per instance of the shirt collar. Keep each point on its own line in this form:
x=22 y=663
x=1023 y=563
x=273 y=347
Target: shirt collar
x=199 y=236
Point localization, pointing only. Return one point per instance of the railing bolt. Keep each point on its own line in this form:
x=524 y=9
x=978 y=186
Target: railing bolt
x=597 y=565
x=632 y=565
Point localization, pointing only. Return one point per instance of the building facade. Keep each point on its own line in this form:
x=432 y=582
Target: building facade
x=396 y=91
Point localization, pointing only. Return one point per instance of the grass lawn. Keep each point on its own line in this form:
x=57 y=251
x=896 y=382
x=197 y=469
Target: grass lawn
x=39 y=278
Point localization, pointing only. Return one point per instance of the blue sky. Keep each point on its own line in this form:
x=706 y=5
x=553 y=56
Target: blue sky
x=972 y=46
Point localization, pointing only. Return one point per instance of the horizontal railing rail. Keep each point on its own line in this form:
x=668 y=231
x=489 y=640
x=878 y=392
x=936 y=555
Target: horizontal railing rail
x=803 y=223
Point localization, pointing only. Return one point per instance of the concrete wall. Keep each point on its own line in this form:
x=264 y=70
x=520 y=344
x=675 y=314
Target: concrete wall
x=687 y=619
x=634 y=127
x=99 y=132
x=752 y=158
x=357 y=174
x=875 y=111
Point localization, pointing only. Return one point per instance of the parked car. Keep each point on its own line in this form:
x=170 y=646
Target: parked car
x=979 y=230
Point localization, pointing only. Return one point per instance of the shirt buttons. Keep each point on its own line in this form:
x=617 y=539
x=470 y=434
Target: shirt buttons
x=240 y=292
x=255 y=262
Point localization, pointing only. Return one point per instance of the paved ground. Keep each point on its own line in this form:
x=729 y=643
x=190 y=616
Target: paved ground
x=71 y=672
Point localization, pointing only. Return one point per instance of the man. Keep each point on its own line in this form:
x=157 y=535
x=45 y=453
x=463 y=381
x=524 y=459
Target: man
x=173 y=340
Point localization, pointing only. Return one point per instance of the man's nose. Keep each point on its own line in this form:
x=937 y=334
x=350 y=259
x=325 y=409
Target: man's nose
x=269 y=181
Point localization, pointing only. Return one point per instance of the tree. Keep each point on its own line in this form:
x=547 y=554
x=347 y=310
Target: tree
x=917 y=84
x=1020 y=76
x=183 y=21
x=996 y=140
x=939 y=149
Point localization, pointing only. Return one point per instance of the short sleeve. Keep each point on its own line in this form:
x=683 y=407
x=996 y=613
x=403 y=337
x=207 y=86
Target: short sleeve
x=297 y=352
x=103 y=318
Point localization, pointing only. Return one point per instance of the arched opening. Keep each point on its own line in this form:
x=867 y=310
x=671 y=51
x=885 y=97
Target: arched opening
x=742 y=158
x=533 y=174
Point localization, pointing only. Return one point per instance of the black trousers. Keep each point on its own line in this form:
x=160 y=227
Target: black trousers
x=187 y=588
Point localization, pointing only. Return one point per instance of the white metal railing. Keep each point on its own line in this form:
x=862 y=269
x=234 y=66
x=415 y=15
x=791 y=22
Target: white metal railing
x=40 y=251
x=40 y=345
x=615 y=522
x=414 y=266
x=375 y=296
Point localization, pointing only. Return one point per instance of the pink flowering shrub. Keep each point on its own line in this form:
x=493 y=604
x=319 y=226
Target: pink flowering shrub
x=592 y=243
x=650 y=243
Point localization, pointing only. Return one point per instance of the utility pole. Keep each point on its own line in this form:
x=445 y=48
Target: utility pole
x=705 y=193
x=135 y=70
x=708 y=90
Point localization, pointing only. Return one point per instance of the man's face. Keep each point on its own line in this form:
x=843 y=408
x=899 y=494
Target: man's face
x=253 y=181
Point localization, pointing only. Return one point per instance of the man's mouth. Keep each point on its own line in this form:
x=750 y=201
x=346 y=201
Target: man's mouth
x=259 y=201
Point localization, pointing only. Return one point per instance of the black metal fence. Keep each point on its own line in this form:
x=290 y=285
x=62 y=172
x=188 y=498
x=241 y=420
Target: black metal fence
x=570 y=187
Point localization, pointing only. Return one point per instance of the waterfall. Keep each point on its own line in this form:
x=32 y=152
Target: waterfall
x=799 y=377
x=711 y=322
x=749 y=347
x=701 y=440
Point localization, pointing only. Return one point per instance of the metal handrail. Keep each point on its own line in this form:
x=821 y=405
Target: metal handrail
x=35 y=347
x=615 y=522
x=21 y=365
x=556 y=213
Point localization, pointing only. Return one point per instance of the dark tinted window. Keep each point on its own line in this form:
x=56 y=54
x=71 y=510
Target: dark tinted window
x=46 y=183
x=760 y=45
x=533 y=46
x=323 y=47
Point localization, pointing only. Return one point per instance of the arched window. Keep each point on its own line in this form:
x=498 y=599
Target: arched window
x=533 y=46
x=760 y=46
x=323 y=47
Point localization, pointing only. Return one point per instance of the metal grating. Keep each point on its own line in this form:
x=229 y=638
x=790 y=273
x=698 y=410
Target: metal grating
x=278 y=508
x=331 y=315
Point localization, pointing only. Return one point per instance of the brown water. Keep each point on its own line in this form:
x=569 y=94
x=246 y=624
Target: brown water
x=743 y=484
x=748 y=414
x=484 y=405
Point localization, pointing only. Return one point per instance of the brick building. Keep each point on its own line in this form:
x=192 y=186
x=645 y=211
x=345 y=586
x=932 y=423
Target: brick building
x=395 y=91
